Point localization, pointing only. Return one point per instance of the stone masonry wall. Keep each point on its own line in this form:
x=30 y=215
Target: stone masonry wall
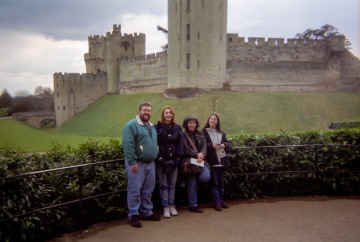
x=146 y=73
x=74 y=92
x=273 y=65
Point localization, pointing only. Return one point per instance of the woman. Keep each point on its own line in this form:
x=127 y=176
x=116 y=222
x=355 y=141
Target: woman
x=193 y=137
x=171 y=143
x=217 y=147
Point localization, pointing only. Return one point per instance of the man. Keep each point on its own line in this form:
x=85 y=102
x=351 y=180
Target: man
x=139 y=141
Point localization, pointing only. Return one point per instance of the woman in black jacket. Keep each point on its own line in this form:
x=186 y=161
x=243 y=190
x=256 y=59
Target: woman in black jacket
x=217 y=148
x=171 y=146
x=195 y=147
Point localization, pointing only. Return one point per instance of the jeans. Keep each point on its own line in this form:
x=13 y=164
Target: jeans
x=167 y=185
x=192 y=181
x=140 y=186
x=217 y=184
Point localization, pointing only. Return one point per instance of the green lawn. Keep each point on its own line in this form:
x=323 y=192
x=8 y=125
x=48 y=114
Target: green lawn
x=241 y=113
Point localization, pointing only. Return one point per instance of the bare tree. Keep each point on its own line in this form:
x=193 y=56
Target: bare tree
x=164 y=47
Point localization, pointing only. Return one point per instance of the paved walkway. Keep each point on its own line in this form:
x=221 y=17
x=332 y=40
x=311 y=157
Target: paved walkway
x=272 y=219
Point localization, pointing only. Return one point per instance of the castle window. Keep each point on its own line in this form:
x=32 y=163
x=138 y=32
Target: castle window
x=57 y=85
x=125 y=45
x=202 y=3
x=220 y=6
x=188 y=61
x=57 y=94
x=58 y=108
x=198 y=35
x=187 y=31
x=188 y=5
x=198 y=63
x=64 y=108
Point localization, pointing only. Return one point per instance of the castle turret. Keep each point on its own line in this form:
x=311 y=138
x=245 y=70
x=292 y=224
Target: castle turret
x=197 y=43
x=95 y=59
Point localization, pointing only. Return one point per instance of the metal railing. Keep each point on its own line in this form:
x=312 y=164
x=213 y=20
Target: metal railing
x=80 y=199
x=80 y=168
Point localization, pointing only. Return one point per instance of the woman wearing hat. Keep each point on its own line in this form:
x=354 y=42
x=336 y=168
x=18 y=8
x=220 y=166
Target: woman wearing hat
x=195 y=147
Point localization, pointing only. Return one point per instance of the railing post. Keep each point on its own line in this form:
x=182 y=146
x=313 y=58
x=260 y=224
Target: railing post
x=81 y=199
x=316 y=170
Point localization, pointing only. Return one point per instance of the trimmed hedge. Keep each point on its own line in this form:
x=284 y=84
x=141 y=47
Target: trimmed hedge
x=255 y=172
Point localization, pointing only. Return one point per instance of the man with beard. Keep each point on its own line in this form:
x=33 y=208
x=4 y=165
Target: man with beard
x=139 y=141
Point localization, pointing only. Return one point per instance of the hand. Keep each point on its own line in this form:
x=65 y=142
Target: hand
x=200 y=157
x=222 y=146
x=134 y=168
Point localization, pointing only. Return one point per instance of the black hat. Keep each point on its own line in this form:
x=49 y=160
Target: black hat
x=189 y=118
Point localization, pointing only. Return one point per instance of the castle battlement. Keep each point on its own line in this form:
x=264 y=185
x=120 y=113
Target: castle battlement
x=152 y=56
x=71 y=77
x=233 y=40
x=96 y=38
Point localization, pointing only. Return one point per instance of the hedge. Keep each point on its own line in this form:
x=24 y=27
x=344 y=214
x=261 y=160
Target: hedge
x=255 y=172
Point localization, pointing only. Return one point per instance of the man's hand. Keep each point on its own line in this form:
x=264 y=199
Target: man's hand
x=134 y=168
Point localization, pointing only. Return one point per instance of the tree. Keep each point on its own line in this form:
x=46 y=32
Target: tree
x=44 y=98
x=164 y=47
x=22 y=93
x=43 y=92
x=5 y=99
x=325 y=33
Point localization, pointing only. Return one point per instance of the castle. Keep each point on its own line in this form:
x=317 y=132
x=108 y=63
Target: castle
x=202 y=57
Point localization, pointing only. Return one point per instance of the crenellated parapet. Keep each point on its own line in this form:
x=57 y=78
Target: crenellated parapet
x=233 y=40
x=145 y=58
x=73 y=92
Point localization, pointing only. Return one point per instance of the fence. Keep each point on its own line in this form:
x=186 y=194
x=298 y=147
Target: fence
x=238 y=155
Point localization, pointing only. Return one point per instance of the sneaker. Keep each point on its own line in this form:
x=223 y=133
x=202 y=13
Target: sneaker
x=166 y=213
x=135 y=221
x=152 y=217
x=218 y=207
x=224 y=205
x=196 y=209
x=173 y=211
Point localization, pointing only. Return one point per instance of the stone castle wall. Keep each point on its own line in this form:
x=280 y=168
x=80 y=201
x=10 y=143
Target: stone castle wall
x=147 y=73
x=74 y=92
x=295 y=65
x=256 y=65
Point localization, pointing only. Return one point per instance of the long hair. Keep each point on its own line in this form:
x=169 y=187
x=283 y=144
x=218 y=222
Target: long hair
x=162 y=119
x=218 y=126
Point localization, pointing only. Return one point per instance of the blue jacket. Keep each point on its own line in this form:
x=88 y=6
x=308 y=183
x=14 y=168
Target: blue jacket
x=137 y=143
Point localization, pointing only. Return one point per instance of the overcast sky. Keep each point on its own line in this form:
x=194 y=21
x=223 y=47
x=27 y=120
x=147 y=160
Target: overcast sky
x=41 y=37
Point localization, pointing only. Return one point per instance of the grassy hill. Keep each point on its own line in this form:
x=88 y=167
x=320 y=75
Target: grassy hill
x=241 y=113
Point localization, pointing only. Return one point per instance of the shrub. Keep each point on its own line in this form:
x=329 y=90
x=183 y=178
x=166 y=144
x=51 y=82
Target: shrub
x=257 y=170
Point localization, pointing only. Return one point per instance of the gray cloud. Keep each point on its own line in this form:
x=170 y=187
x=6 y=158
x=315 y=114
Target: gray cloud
x=71 y=19
x=40 y=37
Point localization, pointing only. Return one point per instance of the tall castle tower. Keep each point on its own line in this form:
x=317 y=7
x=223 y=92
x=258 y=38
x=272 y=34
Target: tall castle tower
x=197 y=43
x=105 y=53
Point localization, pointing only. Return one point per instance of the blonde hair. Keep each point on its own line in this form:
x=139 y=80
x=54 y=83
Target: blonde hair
x=162 y=119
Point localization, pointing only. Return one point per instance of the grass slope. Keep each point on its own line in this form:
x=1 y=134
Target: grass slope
x=241 y=113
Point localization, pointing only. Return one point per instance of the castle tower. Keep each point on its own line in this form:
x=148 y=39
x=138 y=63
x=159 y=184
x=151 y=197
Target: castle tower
x=106 y=52
x=197 y=43
x=95 y=59
x=113 y=53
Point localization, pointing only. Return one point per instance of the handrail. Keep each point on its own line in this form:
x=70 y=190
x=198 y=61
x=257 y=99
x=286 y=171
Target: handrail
x=80 y=166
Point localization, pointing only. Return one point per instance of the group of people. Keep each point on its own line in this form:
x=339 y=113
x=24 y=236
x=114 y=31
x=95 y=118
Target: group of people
x=160 y=150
